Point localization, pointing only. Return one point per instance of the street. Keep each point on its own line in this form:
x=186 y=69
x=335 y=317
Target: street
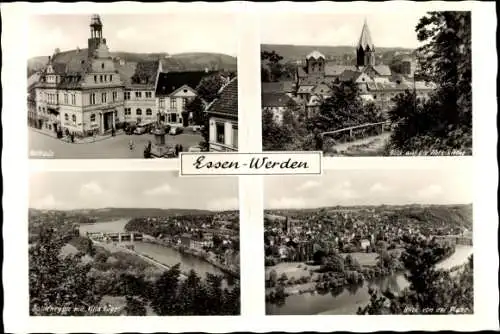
x=43 y=146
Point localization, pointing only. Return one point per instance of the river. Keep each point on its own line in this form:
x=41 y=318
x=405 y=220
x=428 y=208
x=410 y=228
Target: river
x=162 y=254
x=347 y=299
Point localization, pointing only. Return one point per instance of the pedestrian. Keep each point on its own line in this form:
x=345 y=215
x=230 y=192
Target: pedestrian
x=113 y=131
x=131 y=144
x=181 y=148
x=72 y=137
x=176 y=150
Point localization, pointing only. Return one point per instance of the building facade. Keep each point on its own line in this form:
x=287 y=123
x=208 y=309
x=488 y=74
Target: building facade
x=377 y=83
x=223 y=119
x=89 y=91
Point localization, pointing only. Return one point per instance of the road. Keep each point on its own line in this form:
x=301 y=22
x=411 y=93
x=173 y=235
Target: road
x=44 y=146
x=370 y=146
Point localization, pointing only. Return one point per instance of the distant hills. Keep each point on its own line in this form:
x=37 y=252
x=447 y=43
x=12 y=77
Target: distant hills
x=291 y=52
x=111 y=213
x=458 y=214
x=186 y=61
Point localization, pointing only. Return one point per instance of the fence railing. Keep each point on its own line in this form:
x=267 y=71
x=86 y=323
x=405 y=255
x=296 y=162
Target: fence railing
x=356 y=132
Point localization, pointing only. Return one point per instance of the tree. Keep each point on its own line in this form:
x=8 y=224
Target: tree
x=429 y=288
x=273 y=278
x=273 y=62
x=342 y=109
x=135 y=306
x=209 y=87
x=319 y=256
x=59 y=285
x=196 y=107
x=274 y=136
x=165 y=292
x=445 y=121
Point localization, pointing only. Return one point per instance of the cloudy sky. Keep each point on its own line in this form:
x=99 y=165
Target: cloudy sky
x=163 y=190
x=369 y=187
x=394 y=29
x=171 y=33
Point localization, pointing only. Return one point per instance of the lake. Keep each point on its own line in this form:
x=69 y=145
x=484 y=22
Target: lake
x=346 y=300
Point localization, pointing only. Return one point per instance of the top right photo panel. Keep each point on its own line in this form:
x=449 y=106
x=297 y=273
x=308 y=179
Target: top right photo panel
x=374 y=84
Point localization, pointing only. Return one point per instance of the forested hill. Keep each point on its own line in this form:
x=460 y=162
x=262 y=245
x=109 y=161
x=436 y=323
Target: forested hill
x=112 y=213
x=291 y=52
x=187 y=61
x=459 y=215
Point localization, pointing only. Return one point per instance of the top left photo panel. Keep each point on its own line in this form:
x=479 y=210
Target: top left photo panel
x=132 y=86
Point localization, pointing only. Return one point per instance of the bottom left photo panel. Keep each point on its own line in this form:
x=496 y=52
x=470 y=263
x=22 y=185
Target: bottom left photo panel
x=133 y=244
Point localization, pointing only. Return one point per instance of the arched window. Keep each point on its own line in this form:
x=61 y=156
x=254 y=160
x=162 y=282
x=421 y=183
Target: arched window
x=149 y=112
x=92 y=118
x=138 y=112
x=73 y=118
x=66 y=118
x=102 y=65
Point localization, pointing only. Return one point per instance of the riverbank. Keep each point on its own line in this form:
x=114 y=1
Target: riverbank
x=305 y=299
x=194 y=253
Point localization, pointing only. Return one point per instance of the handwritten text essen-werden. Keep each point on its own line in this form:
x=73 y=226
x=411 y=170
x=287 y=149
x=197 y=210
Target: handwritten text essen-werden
x=253 y=163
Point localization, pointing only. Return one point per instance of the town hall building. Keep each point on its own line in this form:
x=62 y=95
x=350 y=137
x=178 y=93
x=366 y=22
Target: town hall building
x=89 y=91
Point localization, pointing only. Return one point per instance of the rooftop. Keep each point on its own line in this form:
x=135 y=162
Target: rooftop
x=227 y=102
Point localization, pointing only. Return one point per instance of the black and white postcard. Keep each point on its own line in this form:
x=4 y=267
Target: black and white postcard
x=371 y=84
x=133 y=243
x=249 y=167
x=120 y=86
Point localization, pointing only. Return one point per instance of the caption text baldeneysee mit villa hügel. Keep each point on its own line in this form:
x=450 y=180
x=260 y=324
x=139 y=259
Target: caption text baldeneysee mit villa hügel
x=253 y=163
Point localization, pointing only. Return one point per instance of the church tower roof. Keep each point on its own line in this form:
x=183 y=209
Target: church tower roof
x=365 y=40
x=315 y=55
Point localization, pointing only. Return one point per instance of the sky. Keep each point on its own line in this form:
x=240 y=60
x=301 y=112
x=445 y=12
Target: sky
x=171 y=33
x=369 y=187
x=394 y=29
x=151 y=189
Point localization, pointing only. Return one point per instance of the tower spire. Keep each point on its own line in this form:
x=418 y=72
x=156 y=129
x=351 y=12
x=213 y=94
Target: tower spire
x=365 y=51
x=365 y=40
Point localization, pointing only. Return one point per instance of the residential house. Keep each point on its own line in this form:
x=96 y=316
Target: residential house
x=139 y=92
x=223 y=119
x=277 y=103
x=174 y=90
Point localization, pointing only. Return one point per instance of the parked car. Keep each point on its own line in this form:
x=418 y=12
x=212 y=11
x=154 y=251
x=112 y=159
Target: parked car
x=175 y=130
x=129 y=129
x=196 y=128
x=143 y=128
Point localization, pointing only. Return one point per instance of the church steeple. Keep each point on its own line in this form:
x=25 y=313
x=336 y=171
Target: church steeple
x=365 y=49
x=96 y=38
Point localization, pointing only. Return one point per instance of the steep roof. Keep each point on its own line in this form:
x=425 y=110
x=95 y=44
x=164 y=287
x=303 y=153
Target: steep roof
x=349 y=75
x=384 y=70
x=144 y=76
x=332 y=69
x=276 y=100
x=365 y=40
x=278 y=87
x=227 y=102
x=171 y=81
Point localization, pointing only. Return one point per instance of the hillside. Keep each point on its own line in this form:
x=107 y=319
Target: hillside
x=298 y=52
x=111 y=213
x=459 y=215
x=184 y=61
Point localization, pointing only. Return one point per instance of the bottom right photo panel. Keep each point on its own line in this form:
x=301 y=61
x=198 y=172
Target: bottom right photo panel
x=362 y=242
